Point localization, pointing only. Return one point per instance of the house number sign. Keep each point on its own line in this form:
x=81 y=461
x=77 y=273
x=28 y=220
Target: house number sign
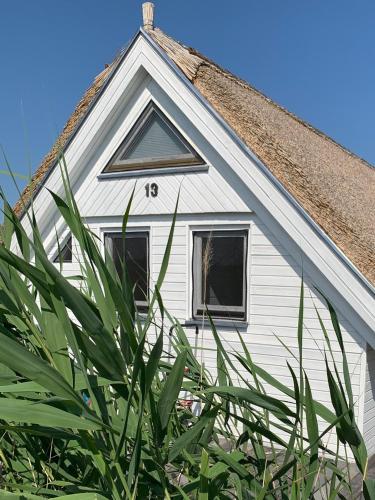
x=152 y=190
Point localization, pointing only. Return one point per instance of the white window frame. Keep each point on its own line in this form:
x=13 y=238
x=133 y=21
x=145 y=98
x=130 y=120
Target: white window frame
x=109 y=234
x=196 y=289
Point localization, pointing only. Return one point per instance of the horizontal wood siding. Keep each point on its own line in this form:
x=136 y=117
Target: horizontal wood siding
x=274 y=278
x=274 y=284
x=200 y=192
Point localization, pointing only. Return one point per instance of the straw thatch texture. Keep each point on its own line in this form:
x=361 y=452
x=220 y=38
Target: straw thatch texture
x=335 y=187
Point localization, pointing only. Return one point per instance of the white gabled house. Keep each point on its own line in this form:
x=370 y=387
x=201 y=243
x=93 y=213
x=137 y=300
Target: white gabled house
x=273 y=198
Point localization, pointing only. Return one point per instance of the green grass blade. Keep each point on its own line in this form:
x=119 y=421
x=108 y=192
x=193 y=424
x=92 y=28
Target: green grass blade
x=170 y=390
x=313 y=435
x=255 y=398
x=204 y=481
x=19 y=359
x=23 y=411
x=191 y=435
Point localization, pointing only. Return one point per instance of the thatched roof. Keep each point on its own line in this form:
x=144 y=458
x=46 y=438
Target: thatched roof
x=334 y=186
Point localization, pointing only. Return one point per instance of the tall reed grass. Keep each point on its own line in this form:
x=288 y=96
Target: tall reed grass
x=89 y=407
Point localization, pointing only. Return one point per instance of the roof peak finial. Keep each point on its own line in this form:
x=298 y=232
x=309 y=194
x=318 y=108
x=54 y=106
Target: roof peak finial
x=148 y=15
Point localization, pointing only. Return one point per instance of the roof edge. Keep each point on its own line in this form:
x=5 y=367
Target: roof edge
x=339 y=253
x=121 y=56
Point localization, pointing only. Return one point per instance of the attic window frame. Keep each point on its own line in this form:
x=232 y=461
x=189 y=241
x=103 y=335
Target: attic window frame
x=182 y=160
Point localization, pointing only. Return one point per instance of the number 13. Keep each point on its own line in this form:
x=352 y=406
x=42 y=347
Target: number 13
x=152 y=189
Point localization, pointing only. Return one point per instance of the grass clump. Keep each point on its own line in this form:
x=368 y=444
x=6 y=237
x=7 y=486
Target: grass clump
x=89 y=407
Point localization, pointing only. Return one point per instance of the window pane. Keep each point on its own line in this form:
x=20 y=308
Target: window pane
x=156 y=140
x=153 y=142
x=65 y=254
x=136 y=260
x=222 y=270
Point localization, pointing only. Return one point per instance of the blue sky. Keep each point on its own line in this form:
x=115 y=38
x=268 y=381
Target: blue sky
x=316 y=58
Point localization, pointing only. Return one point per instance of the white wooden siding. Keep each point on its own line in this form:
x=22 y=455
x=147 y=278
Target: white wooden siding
x=274 y=281
x=369 y=402
x=200 y=192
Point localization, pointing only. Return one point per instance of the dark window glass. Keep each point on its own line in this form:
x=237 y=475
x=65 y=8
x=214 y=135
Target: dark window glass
x=153 y=142
x=65 y=254
x=134 y=252
x=220 y=273
x=222 y=270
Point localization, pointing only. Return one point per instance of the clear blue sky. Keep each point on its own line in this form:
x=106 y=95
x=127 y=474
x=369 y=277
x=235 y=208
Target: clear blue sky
x=315 y=57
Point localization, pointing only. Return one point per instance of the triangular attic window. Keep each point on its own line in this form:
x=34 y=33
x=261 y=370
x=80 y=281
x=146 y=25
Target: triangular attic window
x=153 y=142
x=65 y=253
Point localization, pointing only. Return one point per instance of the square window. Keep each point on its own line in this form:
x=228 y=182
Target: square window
x=134 y=253
x=219 y=274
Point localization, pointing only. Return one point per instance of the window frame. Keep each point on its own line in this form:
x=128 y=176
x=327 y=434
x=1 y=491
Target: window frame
x=131 y=233
x=184 y=160
x=218 y=312
x=67 y=240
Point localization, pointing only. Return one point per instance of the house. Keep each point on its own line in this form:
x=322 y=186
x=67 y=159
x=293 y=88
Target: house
x=273 y=199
